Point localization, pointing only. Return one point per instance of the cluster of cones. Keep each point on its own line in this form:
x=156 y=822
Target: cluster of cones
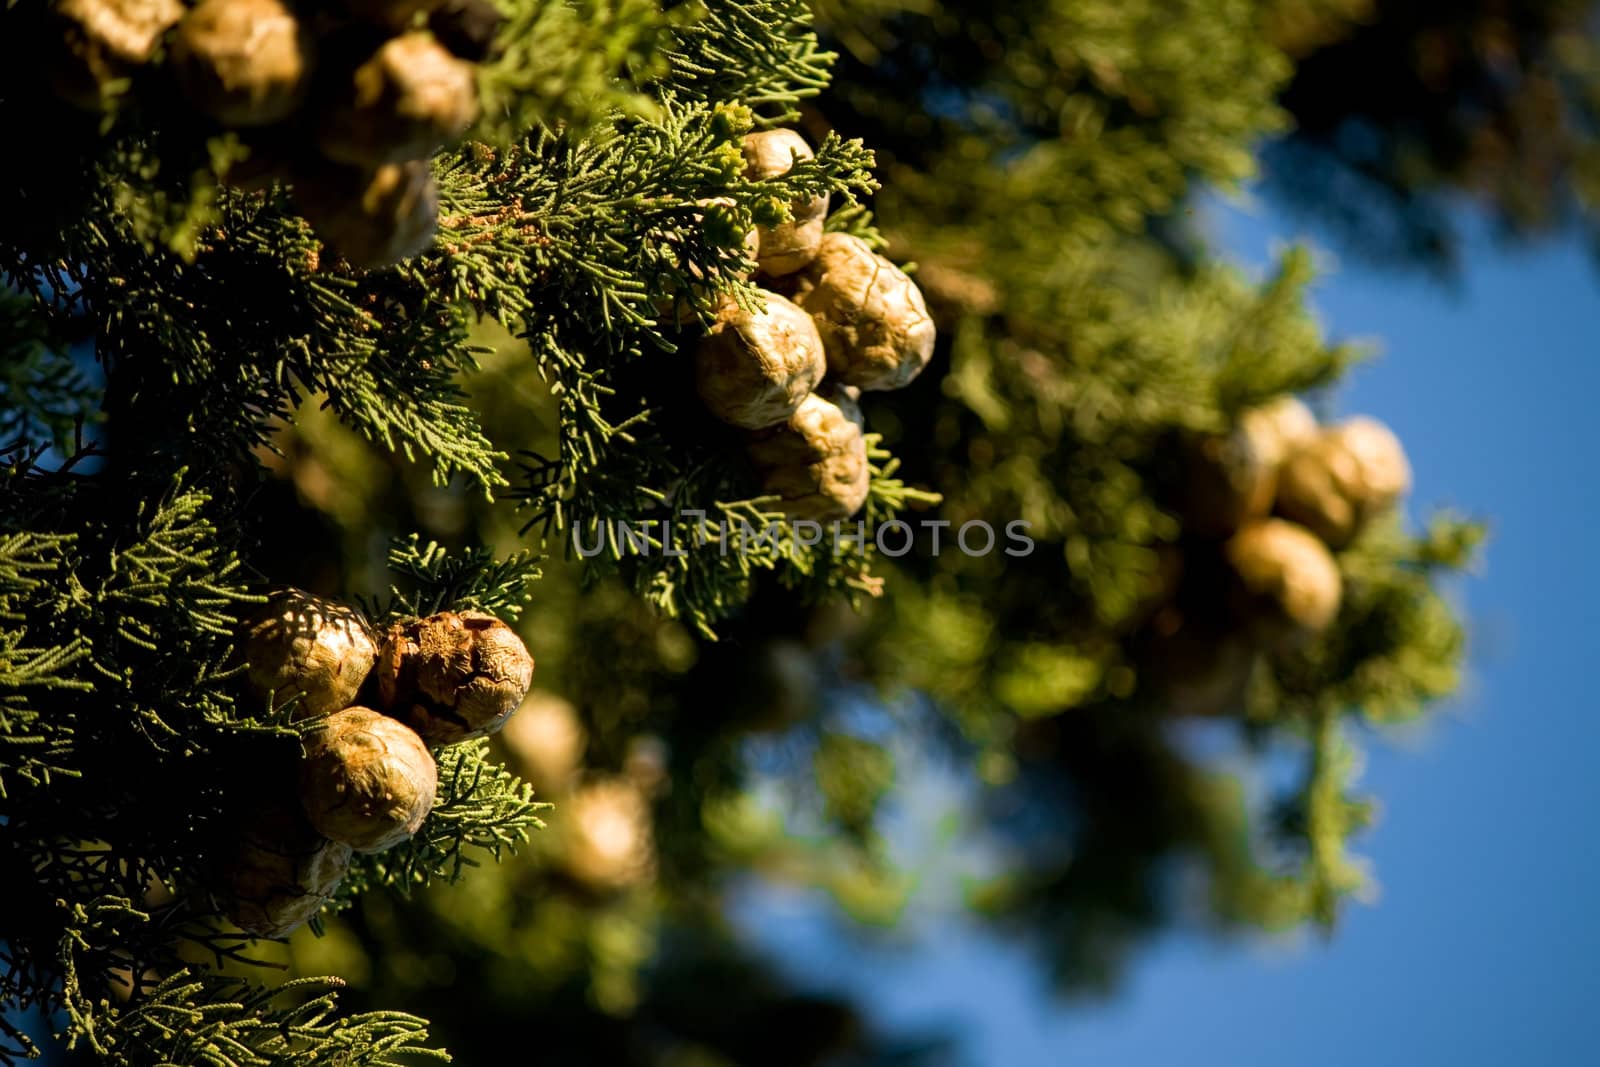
x=344 y=101
x=838 y=319
x=367 y=778
x=1265 y=509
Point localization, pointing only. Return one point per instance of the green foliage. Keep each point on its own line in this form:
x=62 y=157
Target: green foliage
x=852 y=775
x=214 y=316
x=197 y=1019
x=479 y=805
x=120 y=696
x=258 y=411
x=762 y=55
x=1399 y=645
x=473 y=580
x=570 y=65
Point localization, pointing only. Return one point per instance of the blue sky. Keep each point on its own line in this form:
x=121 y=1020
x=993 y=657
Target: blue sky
x=1483 y=947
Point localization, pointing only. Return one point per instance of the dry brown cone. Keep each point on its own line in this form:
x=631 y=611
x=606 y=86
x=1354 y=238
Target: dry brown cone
x=1231 y=478
x=816 y=460
x=789 y=246
x=405 y=101
x=310 y=647
x=281 y=872
x=103 y=41
x=1288 y=583
x=1338 y=482
x=367 y=780
x=1228 y=480
x=757 y=367
x=872 y=319
x=243 y=62
x=453 y=676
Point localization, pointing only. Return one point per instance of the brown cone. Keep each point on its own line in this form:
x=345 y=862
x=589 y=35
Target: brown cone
x=243 y=62
x=306 y=646
x=816 y=460
x=1230 y=478
x=372 y=218
x=757 y=367
x=104 y=40
x=453 y=676
x=406 y=101
x=1341 y=480
x=1288 y=583
x=281 y=872
x=789 y=246
x=367 y=780
x=871 y=317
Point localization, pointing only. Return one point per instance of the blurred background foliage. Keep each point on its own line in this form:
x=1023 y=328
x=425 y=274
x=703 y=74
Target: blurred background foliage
x=1039 y=163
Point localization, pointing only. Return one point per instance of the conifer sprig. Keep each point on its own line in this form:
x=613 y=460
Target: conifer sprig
x=480 y=807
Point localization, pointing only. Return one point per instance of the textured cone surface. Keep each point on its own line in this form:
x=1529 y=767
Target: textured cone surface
x=103 y=40
x=308 y=646
x=1343 y=478
x=407 y=100
x=546 y=741
x=1289 y=580
x=758 y=367
x=372 y=218
x=789 y=246
x=367 y=780
x=453 y=676
x=281 y=873
x=606 y=839
x=874 y=325
x=816 y=460
x=243 y=62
